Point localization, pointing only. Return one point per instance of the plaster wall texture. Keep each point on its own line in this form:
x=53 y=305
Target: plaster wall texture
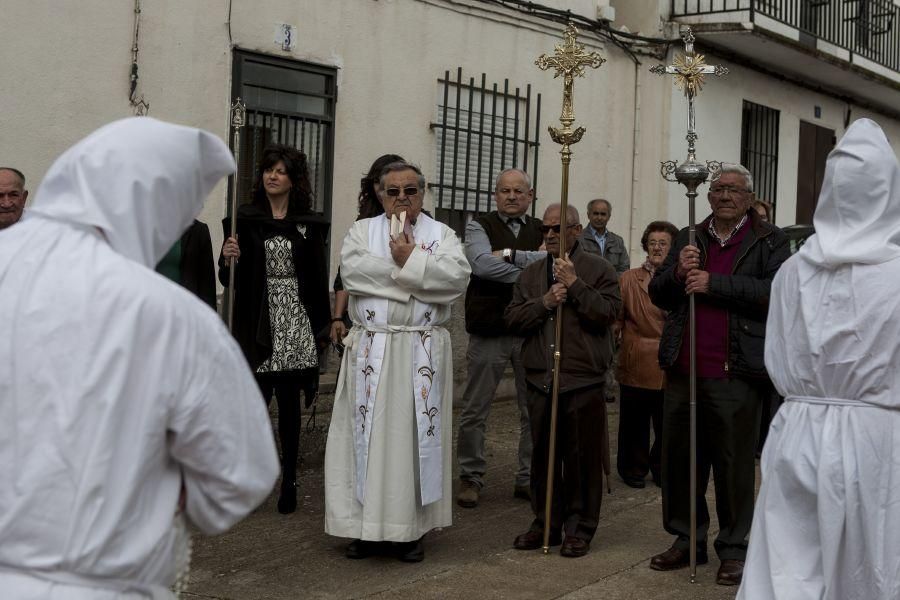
x=641 y=16
x=389 y=55
x=719 y=107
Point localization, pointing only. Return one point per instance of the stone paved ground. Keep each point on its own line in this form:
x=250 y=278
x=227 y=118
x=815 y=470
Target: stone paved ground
x=271 y=556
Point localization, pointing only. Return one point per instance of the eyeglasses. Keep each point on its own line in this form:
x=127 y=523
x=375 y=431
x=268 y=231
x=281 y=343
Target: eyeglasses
x=407 y=191
x=555 y=228
x=656 y=244
x=731 y=191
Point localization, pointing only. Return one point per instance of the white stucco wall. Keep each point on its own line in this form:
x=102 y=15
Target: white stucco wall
x=389 y=55
x=68 y=73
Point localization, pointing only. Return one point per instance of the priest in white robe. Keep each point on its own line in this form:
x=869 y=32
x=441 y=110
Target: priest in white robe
x=125 y=405
x=387 y=462
x=827 y=521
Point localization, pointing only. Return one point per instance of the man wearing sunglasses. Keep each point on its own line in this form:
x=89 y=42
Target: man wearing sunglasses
x=588 y=290
x=730 y=272
x=499 y=245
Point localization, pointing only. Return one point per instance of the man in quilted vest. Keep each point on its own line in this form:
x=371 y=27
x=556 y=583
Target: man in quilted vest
x=499 y=245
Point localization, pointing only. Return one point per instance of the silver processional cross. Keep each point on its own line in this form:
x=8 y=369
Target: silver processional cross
x=690 y=71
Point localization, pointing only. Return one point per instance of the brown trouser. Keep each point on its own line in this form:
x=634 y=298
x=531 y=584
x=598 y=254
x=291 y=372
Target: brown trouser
x=582 y=456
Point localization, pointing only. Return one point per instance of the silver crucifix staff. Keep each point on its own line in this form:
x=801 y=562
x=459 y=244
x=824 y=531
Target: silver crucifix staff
x=238 y=116
x=690 y=70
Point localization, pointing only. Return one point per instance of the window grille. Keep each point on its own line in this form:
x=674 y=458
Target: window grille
x=292 y=103
x=479 y=131
x=759 y=149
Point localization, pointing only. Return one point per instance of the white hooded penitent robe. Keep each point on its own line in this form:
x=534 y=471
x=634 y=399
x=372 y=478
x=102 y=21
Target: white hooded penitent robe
x=827 y=520
x=417 y=300
x=117 y=386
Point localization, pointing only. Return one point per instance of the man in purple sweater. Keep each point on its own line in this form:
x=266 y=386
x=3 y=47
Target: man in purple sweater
x=730 y=271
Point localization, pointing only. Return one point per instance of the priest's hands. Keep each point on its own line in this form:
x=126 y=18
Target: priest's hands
x=564 y=270
x=401 y=247
x=555 y=296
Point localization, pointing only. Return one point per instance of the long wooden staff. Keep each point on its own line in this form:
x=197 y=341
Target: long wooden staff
x=569 y=60
x=238 y=117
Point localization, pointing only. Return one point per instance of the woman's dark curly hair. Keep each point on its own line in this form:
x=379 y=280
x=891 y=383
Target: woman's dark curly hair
x=369 y=205
x=300 y=199
x=655 y=226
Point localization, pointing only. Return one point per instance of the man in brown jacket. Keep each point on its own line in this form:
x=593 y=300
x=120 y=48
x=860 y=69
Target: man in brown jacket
x=586 y=286
x=641 y=380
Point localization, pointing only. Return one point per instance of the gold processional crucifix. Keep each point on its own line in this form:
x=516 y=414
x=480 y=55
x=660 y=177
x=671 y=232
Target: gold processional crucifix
x=569 y=59
x=690 y=71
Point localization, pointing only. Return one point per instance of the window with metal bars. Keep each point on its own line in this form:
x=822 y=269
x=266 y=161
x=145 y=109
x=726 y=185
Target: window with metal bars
x=288 y=102
x=759 y=149
x=480 y=130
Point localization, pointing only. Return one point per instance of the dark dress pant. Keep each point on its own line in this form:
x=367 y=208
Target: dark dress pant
x=728 y=414
x=578 y=472
x=639 y=410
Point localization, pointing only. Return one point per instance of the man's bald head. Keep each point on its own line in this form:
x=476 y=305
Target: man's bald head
x=572 y=212
x=551 y=228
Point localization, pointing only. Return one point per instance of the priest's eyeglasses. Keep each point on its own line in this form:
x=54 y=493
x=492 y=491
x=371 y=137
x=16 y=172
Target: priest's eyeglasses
x=407 y=191
x=555 y=228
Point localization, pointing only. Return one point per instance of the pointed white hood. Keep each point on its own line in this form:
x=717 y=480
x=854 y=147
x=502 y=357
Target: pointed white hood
x=139 y=180
x=857 y=219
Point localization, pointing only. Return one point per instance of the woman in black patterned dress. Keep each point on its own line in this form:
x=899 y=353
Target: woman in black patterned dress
x=281 y=299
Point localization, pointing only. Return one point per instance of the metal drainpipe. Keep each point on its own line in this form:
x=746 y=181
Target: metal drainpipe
x=635 y=154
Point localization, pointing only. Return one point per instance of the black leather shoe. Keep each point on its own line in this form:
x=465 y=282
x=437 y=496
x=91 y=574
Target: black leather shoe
x=574 y=547
x=634 y=482
x=522 y=492
x=361 y=549
x=287 y=500
x=675 y=558
x=532 y=540
x=730 y=572
x=411 y=552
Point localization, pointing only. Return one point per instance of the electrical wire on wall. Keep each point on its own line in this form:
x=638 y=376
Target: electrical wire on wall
x=629 y=43
x=140 y=106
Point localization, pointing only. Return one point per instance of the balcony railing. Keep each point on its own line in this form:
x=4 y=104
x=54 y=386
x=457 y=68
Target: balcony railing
x=868 y=28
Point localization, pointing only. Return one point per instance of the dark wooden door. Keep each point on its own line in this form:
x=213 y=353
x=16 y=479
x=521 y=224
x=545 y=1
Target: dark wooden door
x=815 y=144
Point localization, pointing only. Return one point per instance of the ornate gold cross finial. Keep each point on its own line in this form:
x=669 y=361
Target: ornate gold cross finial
x=690 y=69
x=569 y=59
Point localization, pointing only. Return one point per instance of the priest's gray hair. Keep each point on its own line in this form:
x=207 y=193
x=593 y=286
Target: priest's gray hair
x=402 y=166
x=740 y=170
x=571 y=213
x=525 y=175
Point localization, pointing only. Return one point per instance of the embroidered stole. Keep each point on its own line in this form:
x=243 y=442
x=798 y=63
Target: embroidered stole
x=426 y=385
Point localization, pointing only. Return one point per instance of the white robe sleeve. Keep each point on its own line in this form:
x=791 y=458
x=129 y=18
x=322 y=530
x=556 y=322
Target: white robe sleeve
x=438 y=278
x=364 y=273
x=221 y=436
